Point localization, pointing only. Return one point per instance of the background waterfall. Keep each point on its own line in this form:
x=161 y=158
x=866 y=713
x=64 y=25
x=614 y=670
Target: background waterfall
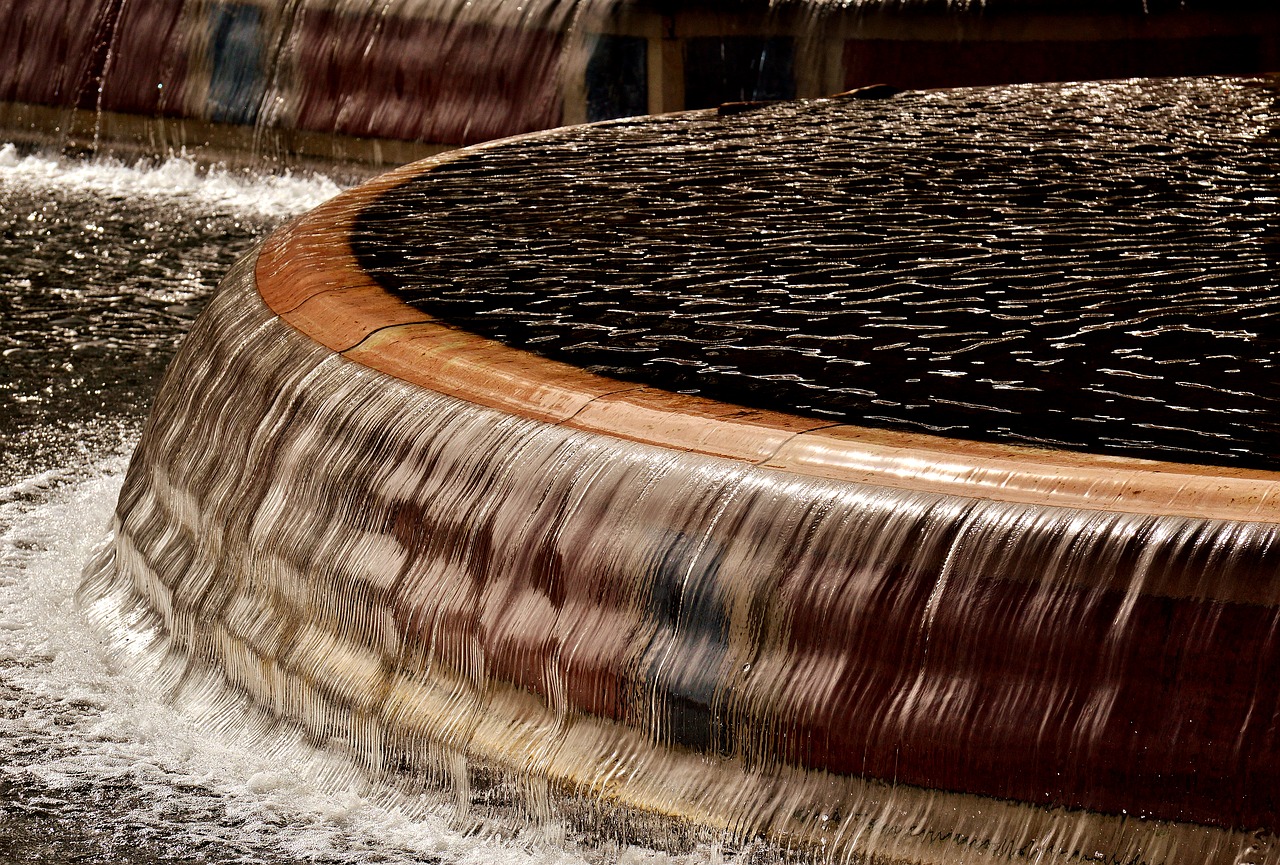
x=105 y=268
x=453 y=595
x=385 y=81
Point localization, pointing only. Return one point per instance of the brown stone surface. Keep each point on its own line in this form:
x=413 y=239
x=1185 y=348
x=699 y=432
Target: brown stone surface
x=692 y=423
x=1032 y=475
x=343 y=318
x=479 y=370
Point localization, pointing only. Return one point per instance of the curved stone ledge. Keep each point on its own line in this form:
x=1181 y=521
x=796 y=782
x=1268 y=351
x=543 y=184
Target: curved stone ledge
x=306 y=274
x=417 y=579
x=449 y=552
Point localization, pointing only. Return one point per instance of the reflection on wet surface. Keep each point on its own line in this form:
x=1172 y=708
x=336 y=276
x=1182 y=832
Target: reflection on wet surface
x=103 y=267
x=1088 y=266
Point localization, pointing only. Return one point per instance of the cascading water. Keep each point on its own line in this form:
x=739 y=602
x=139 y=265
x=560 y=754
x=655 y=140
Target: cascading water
x=389 y=80
x=603 y=641
x=679 y=634
x=636 y=642
x=106 y=265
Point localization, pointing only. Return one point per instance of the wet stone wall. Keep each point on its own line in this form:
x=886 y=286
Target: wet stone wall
x=432 y=585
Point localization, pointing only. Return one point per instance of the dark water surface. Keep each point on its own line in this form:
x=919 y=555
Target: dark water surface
x=102 y=270
x=1090 y=266
x=1086 y=264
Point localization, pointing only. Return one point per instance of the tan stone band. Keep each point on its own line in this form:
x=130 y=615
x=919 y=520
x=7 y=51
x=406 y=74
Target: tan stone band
x=308 y=275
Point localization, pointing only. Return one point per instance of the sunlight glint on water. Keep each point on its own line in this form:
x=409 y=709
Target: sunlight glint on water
x=550 y=623
x=83 y=721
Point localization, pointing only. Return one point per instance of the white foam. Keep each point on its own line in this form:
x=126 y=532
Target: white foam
x=177 y=177
x=33 y=485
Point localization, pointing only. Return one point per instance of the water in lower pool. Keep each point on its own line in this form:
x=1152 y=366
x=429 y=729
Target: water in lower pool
x=104 y=267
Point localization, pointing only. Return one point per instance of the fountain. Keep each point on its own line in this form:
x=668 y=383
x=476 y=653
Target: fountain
x=472 y=564
x=549 y=472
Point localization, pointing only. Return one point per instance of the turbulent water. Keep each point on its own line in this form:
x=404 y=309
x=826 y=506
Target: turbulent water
x=102 y=268
x=353 y=621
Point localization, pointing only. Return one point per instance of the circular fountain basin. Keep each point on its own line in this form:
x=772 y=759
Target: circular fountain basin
x=865 y=640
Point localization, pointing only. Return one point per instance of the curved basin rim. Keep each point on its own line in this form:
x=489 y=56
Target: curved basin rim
x=307 y=274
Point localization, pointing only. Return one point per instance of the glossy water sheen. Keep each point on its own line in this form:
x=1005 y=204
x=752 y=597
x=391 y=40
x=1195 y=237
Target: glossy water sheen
x=1090 y=266
x=102 y=269
x=99 y=762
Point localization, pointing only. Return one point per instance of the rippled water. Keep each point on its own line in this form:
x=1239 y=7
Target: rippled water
x=1090 y=266
x=104 y=266
x=102 y=270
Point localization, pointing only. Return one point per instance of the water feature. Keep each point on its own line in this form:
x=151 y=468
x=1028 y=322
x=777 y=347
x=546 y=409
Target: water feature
x=1085 y=266
x=406 y=632
x=386 y=80
x=633 y=641
x=106 y=266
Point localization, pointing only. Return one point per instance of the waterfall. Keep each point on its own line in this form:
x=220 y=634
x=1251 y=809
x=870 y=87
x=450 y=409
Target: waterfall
x=462 y=597
x=387 y=81
x=550 y=626
x=286 y=78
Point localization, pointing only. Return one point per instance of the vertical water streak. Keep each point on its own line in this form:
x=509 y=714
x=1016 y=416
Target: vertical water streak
x=660 y=644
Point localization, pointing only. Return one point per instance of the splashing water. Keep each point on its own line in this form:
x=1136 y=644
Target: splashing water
x=154 y=747
x=105 y=267
x=97 y=760
x=215 y=187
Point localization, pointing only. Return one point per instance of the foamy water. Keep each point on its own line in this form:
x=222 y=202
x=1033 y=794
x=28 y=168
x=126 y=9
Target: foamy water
x=103 y=267
x=73 y=720
x=177 y=177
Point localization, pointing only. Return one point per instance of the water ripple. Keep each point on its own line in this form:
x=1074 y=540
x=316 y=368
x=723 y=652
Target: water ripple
x=1088 y=266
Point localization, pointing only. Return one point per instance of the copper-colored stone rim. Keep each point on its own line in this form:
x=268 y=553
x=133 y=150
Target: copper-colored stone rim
x=307 y=274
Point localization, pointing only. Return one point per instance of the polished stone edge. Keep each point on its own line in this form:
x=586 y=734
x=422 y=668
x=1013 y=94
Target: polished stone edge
x=307 y=274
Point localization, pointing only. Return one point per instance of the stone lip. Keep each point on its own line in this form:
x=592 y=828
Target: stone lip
x=307 y=275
